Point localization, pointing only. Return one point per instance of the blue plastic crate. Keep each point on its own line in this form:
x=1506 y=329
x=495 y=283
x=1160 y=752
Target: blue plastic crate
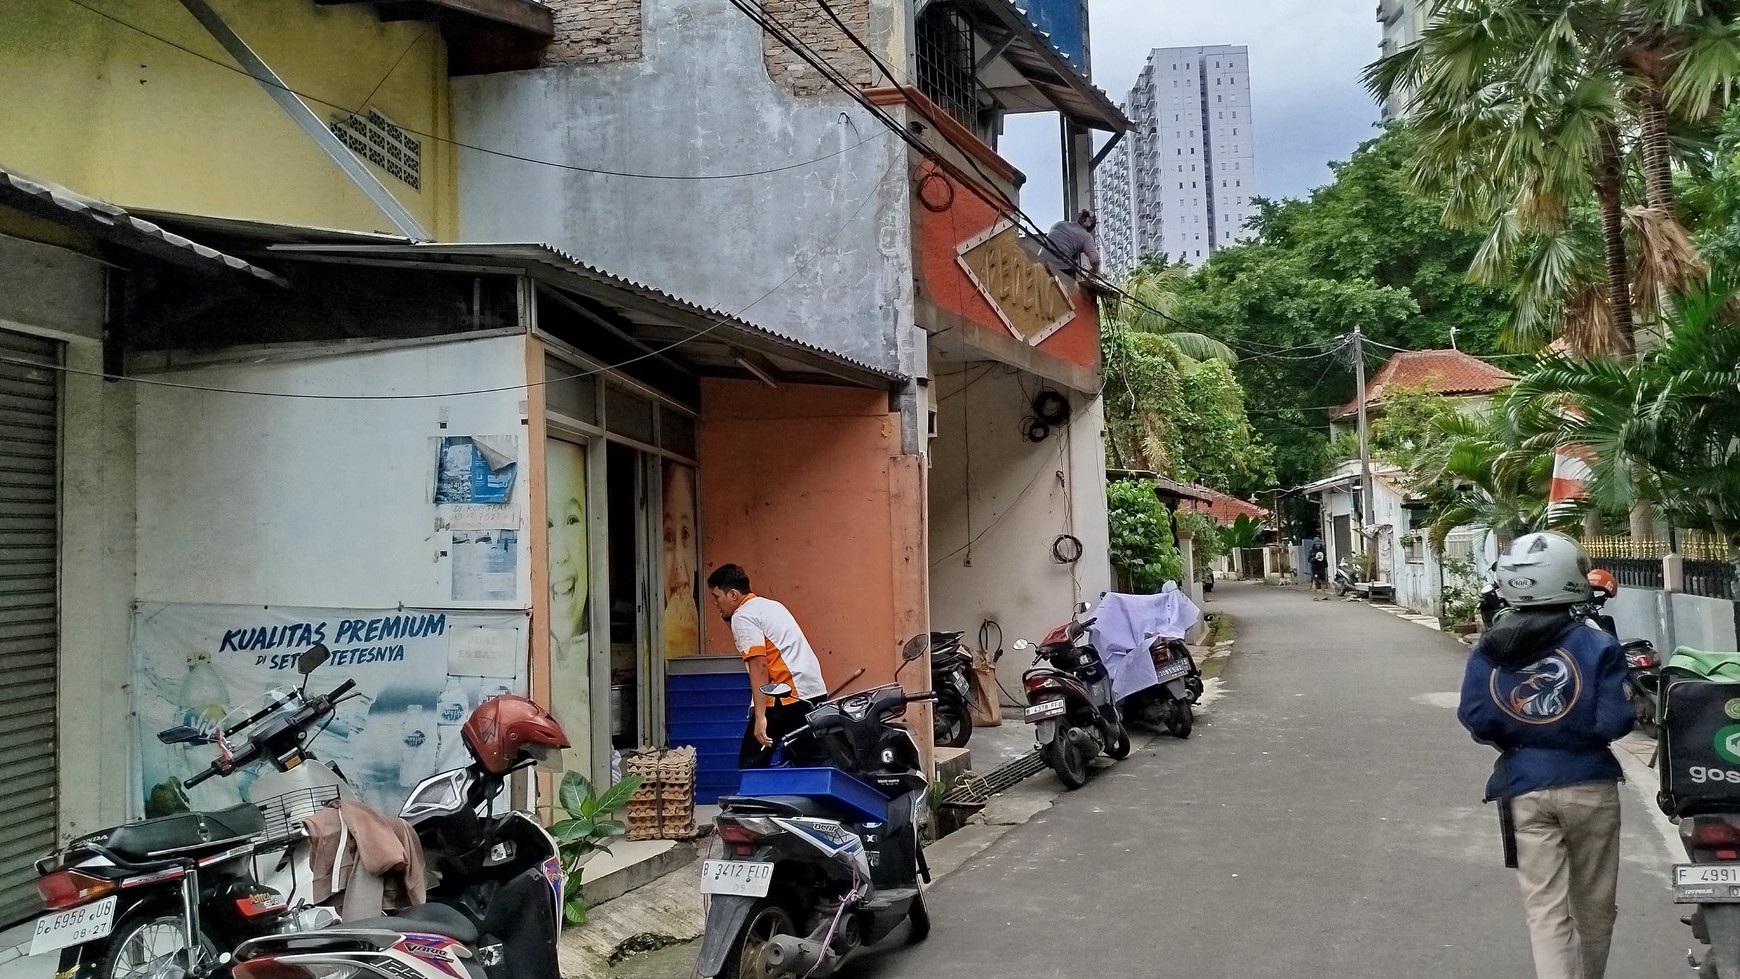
x=816 y=783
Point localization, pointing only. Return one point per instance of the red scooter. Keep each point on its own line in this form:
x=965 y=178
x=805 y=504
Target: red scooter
x=1069 y=701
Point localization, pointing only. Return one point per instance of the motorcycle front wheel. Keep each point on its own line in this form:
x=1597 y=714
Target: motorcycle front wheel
x=1180 y=719
x=951 y=724
x=145 y=945
x=1067 y=761
x=1119 y=749
x=748 y=958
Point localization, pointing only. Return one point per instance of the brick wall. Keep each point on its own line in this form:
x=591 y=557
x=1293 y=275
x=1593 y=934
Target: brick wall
x=819 y=32
x=594 y=32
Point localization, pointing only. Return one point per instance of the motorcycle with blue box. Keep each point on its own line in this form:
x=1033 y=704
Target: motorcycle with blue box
x=821 y=861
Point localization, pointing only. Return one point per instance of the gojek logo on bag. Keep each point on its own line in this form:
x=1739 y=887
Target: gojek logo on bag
x=1727 y=744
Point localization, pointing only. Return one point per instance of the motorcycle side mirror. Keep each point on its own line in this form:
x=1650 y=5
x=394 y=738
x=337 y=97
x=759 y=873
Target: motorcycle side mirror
x=180 y=735
x=1022 y=645
x=777 y=690
x=312 y=658
x=1081 y=608
x=915 y=647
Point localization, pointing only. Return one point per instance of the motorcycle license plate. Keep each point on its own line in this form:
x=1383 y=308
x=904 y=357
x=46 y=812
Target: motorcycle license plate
x=747 y=878
x=1051 y=708
x=1707 y=883
x=74 y=926
x=1172 y=671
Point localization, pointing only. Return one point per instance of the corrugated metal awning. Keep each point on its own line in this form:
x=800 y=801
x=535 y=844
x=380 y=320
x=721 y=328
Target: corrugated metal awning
x=1045 y=71
x=114 y=224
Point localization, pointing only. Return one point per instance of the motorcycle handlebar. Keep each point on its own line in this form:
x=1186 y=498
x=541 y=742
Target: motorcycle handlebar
x=343 y=688
x=202 y=776
x=263 y=712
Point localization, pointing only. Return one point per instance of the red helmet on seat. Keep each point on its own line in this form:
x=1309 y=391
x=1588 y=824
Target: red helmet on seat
x=505 y=730
x=1602 y=580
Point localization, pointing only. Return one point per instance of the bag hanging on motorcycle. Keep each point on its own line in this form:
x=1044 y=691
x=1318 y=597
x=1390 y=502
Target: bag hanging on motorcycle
x=1699 y=746
x=987 y=708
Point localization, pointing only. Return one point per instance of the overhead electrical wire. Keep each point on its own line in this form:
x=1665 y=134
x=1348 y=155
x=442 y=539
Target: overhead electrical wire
x=504 y=154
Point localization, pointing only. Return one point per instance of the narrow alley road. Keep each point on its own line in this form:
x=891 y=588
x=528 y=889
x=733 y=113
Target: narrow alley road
x=1326 y=824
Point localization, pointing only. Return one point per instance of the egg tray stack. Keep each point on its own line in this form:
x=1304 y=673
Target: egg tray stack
x=663 y=808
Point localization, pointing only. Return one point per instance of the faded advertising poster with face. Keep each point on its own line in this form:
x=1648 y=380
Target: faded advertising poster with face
x=682 y=562
x=570 y=639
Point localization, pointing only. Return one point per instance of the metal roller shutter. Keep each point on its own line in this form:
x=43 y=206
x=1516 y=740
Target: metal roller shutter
x=29 y=426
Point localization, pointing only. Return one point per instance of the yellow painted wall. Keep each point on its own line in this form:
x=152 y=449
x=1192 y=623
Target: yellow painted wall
x=117 y=114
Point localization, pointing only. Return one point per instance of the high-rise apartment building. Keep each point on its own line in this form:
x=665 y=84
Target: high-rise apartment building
x=1402 y=21
x=1115 y=206
x=1191 y=165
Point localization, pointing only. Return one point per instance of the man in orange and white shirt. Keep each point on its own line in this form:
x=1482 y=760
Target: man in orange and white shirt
x=775 y=651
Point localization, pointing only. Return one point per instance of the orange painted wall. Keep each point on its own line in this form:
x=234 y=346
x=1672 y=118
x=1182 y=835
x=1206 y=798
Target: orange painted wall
x=794 y=486
x=946 y=284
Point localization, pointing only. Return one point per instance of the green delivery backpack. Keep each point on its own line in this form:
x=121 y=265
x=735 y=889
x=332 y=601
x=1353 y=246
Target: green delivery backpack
x=1700 y=733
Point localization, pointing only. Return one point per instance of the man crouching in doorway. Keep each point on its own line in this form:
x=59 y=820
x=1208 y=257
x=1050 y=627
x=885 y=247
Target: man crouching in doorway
x=774 y=650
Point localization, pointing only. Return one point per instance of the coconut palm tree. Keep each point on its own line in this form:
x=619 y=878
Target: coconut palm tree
x=1150 y=303
x=1665 y=427
x=1520 y=111
x=1475 y=472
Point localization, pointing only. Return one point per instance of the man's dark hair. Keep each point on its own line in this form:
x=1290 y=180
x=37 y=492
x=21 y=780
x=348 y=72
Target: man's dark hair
x=727 y=577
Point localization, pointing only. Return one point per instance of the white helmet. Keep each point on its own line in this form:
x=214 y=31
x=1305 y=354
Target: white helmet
x=1544 y=569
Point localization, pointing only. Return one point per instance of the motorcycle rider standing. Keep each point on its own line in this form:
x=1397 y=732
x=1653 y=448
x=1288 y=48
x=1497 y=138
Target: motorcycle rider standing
x=1549 y=694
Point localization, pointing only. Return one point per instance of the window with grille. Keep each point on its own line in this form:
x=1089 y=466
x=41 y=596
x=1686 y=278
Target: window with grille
x=946 y=59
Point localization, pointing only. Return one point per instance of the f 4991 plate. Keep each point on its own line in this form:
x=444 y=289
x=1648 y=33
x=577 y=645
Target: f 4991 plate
x=1711 y=883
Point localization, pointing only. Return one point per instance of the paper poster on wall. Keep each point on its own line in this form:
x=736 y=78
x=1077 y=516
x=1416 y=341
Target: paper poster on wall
x=478 y=516
x=193 y=664
x=485 y=565
x=475 y=468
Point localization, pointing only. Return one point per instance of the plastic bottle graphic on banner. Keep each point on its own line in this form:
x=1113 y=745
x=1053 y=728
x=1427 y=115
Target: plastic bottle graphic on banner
x=450 y=714
x=203 y=700
x=421 y=746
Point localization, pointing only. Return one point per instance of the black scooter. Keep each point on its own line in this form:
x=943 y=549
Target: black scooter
x=821 y=862
x=1168 y=704
x=951 y=716
x=1069 y=702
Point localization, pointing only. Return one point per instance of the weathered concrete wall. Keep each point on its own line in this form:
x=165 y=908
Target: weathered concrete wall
x=821 y=250
x=1670 y=620
x=991 y=487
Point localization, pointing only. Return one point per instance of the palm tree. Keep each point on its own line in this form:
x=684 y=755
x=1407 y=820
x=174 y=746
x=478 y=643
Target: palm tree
x=1474 y=472
x=1150 y=307
x=1665 y=427
x=1520 y=111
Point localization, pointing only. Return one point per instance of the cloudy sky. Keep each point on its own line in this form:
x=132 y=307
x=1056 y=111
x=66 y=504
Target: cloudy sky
x=1306 y=57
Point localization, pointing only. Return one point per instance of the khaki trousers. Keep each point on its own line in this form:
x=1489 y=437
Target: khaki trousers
x=1568 y=865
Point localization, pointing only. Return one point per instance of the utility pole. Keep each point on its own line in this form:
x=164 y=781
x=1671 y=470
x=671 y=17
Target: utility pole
x=1365 y=517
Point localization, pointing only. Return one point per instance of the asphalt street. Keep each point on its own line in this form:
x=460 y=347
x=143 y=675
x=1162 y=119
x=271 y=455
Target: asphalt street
x=1327 y=823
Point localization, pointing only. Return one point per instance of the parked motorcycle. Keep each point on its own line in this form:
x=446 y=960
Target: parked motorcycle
x=821 y=862
x=952 y=714
x=1169 y=703
x=167 y=896
x=496 y=910
x=1345 y=579
x=1642 y=661
x=1070 y=703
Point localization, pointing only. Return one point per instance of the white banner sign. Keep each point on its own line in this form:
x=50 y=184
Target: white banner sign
x=420 y=672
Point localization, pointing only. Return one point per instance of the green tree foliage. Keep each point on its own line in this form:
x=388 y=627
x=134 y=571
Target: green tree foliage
x=1168 y=412
x=1144 y=555
x=1366 y=250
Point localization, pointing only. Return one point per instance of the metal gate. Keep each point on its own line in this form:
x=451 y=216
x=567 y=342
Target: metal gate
x=29 y=623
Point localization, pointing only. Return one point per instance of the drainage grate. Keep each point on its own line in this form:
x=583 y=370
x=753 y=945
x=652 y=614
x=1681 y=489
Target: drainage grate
x=975 y=789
